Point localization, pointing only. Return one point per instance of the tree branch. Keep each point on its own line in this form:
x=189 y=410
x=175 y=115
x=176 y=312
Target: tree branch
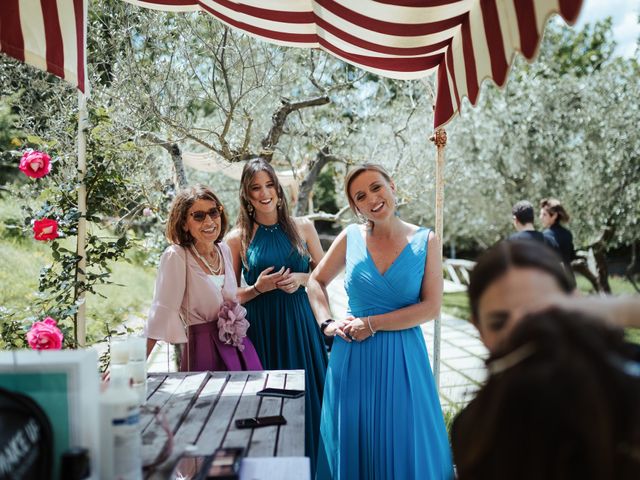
x=280 y=117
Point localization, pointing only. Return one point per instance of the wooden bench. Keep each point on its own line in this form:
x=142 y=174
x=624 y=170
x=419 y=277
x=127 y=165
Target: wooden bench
x=456 y=274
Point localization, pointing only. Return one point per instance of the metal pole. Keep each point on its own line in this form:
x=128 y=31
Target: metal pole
x=440 y=139
x=81 y=323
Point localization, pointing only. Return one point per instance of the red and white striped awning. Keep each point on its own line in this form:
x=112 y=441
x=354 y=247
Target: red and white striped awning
x=48 y=34
x=461 y=41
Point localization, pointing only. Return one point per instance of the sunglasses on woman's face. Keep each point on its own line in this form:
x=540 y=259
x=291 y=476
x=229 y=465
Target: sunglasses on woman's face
x=200 y=215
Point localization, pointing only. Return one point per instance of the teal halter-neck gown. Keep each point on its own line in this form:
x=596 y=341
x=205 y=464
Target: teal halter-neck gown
x=283 y=328
x=381 y=415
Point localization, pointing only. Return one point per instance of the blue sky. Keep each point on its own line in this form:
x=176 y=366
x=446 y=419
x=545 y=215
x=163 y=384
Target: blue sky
x=626 y=29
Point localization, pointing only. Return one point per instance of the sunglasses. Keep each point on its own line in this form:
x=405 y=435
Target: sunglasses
x=199 y=215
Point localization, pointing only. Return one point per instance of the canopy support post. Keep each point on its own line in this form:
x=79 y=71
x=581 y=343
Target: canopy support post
x=81 y=267
x=440 y=140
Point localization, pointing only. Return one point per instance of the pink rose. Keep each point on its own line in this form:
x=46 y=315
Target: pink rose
x=35 y=164
x=45 y=335
x=147 y=212
x=45 y=229
x=232 y=324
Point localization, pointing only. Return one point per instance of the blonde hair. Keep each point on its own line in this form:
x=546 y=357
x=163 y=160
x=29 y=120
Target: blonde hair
x=353 y=174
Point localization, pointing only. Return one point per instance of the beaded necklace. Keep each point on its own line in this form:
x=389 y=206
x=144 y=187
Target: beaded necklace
x=213 y=271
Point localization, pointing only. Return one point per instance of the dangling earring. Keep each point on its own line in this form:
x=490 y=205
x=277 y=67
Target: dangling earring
x=279 y=202
x=395 y=205
x=250 y=209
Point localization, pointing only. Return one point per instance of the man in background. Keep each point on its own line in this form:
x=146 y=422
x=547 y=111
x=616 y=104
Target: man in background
x=523 y=215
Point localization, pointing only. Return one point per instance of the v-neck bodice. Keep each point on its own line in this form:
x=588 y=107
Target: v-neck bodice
x=395 y=260
x=371 y=292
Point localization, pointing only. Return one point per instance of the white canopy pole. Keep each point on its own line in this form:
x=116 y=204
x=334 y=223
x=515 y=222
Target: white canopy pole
x=81 y=322
x=440 y=139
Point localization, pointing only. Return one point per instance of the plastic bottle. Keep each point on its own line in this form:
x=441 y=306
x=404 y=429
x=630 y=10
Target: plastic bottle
x=120 y=436
x=138 y=366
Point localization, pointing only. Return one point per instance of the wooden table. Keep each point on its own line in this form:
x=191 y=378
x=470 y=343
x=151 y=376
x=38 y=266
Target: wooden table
x=201 y=409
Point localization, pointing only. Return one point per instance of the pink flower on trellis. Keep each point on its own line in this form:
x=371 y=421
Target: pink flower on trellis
x=232 y=324
x=45 y=335
x=35 y=164
x=45 y=229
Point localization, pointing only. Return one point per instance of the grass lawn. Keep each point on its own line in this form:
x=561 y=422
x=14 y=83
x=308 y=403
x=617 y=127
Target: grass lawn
x=456 y=304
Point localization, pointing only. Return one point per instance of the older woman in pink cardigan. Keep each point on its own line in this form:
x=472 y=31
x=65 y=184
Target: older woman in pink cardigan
x=195 y=304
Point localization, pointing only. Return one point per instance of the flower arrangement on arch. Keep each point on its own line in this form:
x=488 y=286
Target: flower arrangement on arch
x=35 y=164
x=45 y=335
x=232 y=324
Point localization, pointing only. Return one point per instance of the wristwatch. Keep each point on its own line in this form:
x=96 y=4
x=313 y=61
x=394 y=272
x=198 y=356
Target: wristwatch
x=325 y=324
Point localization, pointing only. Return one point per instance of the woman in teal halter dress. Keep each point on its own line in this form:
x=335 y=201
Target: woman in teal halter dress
x=275 y=262
x=381 y=415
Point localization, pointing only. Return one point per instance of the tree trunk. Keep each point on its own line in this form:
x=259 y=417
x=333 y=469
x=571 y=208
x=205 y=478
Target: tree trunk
x=580 y=266
x=322 y=158
x=600 y=254
x=178 y=165
x=632 y=266
x=600 y=278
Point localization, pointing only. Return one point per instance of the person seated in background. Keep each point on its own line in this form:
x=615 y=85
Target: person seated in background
x=523 y=214
x=513 y=278
x=562 y=401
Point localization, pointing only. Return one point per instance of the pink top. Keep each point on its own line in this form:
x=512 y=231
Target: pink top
x=204 y=296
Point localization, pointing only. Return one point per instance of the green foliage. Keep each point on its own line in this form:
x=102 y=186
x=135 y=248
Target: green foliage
x=124 y=298
x=578 y=52
x=558 y=129
x=325 y=188
x=9 y=140
x=111 y=194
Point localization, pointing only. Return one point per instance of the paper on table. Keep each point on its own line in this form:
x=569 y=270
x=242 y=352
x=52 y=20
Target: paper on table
x=282 y=468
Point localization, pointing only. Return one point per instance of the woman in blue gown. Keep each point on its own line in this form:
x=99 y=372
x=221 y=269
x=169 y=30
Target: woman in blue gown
x=275 y=252
x=381 y=415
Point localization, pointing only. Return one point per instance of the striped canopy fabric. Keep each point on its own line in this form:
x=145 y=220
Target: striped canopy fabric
x=48 y=34
x=461 y=41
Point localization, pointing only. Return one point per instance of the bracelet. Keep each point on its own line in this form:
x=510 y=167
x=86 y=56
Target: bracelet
x=369 y=323
x=325 y=324
x=256 y=289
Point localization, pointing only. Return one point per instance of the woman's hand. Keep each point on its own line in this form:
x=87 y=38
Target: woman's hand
x=357 y=328
x=292 y=282
x=337 y=329
x=268 y=281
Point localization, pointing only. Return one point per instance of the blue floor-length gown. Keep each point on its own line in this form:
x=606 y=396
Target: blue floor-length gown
x=283 y=328
x=381 y=415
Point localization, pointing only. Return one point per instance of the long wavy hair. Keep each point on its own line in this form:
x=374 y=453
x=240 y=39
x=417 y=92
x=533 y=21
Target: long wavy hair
x=246 y=222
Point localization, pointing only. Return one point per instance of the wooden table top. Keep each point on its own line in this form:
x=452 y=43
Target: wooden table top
x=200 y=409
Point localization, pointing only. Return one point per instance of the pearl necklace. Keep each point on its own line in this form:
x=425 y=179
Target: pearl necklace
x=213 y=271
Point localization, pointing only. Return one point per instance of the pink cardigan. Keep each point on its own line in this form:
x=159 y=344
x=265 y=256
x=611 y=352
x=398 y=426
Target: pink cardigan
x=169 y=299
